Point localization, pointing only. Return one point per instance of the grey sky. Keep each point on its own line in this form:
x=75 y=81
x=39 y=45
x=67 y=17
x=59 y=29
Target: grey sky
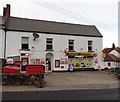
x=102 y=13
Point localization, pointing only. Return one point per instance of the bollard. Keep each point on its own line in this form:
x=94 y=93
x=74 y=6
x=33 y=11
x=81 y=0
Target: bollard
x=99 y=68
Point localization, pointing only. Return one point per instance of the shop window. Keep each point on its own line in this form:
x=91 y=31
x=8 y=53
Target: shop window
x=57 y=63
x=90 y=45
x=49 y=44
x=25 y=43
x=109 y=64
x=71 y=56
x=71 y=45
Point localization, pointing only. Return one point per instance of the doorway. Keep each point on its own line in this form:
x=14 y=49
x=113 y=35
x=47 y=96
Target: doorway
x=49 y=61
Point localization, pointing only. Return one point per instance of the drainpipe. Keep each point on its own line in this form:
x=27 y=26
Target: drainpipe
x=5 y=45
x=4 y=61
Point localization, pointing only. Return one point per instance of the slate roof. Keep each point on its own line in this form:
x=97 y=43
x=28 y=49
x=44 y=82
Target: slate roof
x=50 y=27
x=112 y=58
x=118 y=49
x=115 y=58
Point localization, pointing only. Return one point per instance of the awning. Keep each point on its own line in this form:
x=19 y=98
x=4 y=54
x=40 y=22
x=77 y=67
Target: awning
x=80 y=53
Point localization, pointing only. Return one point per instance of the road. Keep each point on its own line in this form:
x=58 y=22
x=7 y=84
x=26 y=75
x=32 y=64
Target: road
x=94 y=94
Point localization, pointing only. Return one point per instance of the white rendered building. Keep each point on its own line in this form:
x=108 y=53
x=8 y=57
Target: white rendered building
x=56 y=45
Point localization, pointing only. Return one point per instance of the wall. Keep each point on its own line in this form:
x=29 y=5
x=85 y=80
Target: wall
x=1 y=43
x=60 y=43
x=113 y=65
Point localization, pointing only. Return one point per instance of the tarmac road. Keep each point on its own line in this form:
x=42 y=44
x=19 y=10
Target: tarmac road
x=86 y=94
x=88 y=85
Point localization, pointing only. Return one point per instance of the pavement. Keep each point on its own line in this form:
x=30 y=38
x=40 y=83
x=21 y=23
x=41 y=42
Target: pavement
x=71 y=81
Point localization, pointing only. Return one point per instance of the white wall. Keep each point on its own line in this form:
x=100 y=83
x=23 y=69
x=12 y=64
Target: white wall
x=60 y=43
x=1 y=39
x=1 y=43
x=113 y=65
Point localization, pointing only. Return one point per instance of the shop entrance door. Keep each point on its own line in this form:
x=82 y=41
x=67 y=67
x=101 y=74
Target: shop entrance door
x=49 y=61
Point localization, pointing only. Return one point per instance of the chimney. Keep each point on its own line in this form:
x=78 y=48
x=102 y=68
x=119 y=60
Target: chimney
x=6 y=10
x=113 y=46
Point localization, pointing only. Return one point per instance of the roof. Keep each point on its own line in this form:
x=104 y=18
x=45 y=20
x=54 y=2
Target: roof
x=111 y=57
x=42 y=26
x=115 y=58
x=108 y=50
x=118 y=49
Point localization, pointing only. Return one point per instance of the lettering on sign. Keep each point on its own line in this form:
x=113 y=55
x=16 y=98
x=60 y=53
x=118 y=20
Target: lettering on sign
x=63 y=61
x=37 y=61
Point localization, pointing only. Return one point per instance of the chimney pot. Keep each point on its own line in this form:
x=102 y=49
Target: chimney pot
x=6 y=10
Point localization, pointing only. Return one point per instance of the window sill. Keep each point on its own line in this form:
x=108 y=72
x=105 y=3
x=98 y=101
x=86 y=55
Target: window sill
x=71 y=51
x=49 y=50
x=90 y=51
x=24 y=50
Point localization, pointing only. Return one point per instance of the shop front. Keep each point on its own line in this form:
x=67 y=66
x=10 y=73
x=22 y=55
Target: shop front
x=80 y=59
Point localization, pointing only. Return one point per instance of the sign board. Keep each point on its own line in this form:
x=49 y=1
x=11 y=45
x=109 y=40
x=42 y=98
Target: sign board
x=71 y=67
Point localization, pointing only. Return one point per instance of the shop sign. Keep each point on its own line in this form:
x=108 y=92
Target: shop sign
x=81 y=62
x=17 y=62
x=63 y=61
x=96 y=61
x=62 y=67
x=103 y=55
x=71 y=67
x=37 y=61
x=24 y=61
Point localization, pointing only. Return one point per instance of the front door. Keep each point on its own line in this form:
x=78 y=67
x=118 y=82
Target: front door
x=49 y=61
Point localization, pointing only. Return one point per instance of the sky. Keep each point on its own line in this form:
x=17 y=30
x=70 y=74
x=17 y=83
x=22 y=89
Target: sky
x=101 y=13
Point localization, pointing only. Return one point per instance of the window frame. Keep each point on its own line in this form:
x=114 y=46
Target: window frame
x=49 y=42
x=24 y=43
x=109 y=64
x=71 y=45
x=90 y=45
x=56 y=63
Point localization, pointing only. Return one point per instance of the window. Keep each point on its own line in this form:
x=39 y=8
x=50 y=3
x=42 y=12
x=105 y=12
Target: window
x=109 y=64
x=71 y=45
x=25 y=43
x=57 y=63
x=49 y=44
x=90 y=45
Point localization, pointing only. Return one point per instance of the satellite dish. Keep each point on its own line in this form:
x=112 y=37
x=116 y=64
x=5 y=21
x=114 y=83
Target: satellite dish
x=35 y=35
